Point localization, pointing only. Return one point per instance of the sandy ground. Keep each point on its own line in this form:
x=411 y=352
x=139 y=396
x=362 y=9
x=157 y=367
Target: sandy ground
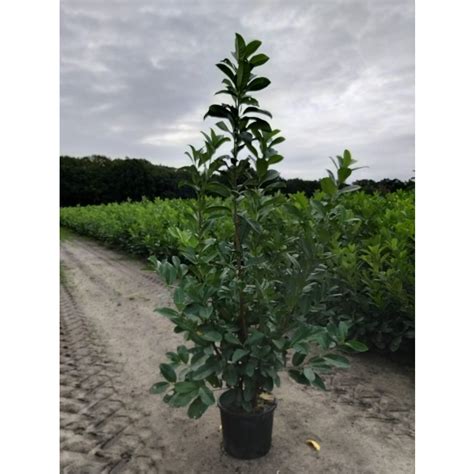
x=111 y=346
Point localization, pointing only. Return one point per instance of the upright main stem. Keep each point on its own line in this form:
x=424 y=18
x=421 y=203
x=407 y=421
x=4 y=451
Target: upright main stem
x=237 y=242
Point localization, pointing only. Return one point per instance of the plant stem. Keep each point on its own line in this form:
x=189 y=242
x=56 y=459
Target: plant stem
x=236 y=220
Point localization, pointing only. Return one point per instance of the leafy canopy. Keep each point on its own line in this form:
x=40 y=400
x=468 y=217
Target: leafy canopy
x=241 y=303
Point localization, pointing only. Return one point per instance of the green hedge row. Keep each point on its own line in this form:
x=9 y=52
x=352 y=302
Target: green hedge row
x=365 y=245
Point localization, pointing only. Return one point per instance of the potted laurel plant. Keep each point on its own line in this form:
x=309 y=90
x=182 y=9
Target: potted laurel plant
x=243 y=323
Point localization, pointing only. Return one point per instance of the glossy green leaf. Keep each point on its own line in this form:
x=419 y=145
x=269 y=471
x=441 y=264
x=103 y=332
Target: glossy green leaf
x=259 y=59
x=212 y=336
x=298 y=358
x=328 y=186
x=356 y=346
x=318 y=382
x=309 y=374
x=159 y=387
x=298 y=377
x=223 y=126
x=218 y=111
x=249 y=368
x=257 y=110
x=258 y=84
x=227 y=71
x=179 y=297
x=206 y=396
x=337 y=361
x=231 y=338
x=347 y=160
x=343 y=330
x=343 y=174
x=186 y=387
x=230 y=375
x=277 y=141
x=183 y=353
x=204 y=371
x=228 y=398
x=254 y=338
x=239 y=48
x=169 y=312
x=179 y=400
x=168 y=372
x=197 y=408
x=273 y=160
x=239 y=354
x=218 y=188
x=252 y=47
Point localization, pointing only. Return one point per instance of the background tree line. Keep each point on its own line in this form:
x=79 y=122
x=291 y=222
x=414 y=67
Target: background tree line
x=97 y=179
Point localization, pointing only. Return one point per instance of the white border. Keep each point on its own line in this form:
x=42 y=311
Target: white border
x=29 y=346
x=29 y=98
x=444 y=236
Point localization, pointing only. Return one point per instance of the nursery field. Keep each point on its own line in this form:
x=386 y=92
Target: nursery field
x=363 y=249
x=112 y=344
x=278 y=308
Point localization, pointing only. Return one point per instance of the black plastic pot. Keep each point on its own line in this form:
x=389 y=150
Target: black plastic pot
x=247 y=435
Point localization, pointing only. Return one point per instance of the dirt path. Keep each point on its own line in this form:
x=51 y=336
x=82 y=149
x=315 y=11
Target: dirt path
x=111 y=346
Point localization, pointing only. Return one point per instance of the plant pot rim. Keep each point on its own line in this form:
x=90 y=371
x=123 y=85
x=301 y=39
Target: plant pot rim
x=268 y=408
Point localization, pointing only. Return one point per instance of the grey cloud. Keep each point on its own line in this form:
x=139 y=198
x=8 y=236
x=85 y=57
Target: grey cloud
x=137 y=77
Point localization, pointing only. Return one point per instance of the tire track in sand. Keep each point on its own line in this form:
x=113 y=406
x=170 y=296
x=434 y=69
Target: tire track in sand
x=102 y=430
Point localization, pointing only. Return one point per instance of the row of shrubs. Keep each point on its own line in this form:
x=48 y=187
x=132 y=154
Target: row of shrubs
x=364 y=244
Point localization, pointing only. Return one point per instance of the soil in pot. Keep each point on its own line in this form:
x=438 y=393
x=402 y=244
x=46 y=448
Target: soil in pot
x=247 y=435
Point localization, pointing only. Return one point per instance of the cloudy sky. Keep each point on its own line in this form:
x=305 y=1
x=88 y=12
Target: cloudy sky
x=137 y=78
